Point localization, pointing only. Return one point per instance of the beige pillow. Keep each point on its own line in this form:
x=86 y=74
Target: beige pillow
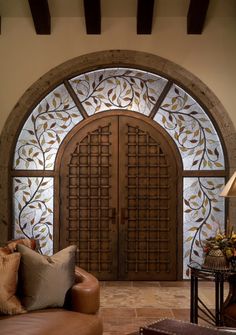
x=46 y=280
x=9 y=304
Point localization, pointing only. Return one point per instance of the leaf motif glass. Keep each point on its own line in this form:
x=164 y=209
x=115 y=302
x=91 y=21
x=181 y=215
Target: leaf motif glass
x=118 y=88
x=130 y=90
x=203 y=215
x=33 y=210
x=44 y=130
x=192 y=130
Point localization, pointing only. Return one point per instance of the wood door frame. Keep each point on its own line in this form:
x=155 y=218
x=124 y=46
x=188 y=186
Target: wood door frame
x=179 y=167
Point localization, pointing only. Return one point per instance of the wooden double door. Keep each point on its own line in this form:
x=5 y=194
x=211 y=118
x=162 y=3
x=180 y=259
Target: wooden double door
x=118 y=199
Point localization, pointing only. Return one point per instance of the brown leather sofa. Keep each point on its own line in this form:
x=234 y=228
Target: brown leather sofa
x=79 y=315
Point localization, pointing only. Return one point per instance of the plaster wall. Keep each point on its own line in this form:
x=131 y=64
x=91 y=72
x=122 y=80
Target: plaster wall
x=25 y=56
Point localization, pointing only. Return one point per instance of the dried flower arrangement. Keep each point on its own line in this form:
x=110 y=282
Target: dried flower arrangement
x=220 y=250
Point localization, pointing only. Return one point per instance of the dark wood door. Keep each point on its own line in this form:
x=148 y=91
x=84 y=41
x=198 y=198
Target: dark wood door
x=118 y=200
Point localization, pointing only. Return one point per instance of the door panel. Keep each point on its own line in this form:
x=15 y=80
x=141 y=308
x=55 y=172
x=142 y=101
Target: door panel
x=118 y=200
x=147 y=201
x=89 y=197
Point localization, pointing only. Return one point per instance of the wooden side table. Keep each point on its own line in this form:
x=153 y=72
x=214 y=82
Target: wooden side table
x=196 y=304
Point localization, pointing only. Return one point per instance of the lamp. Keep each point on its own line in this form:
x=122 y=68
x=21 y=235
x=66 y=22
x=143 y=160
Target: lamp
x=230 y=188
x=229 y=191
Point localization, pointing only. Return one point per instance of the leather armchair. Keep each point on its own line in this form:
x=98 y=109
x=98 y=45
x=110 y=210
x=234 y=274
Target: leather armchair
x=79 y=315
x=85 y=294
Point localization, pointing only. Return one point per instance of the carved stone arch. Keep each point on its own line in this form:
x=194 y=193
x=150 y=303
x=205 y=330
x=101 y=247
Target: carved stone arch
x=82 y=64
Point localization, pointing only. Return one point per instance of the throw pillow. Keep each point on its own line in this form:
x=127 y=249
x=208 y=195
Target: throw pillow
x=9 y=303
x=46 y=280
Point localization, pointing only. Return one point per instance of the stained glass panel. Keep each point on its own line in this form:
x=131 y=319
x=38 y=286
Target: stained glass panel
x=203 y=215
x=33 y=210
x=44 y=131
x=125 y=89
x=118 y=88
x=192 y=130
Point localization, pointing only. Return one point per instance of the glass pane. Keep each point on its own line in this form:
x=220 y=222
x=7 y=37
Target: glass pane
x=33 y=210
x=204 y=214
x=118 y=88
x=44 y=131
x=192 y=130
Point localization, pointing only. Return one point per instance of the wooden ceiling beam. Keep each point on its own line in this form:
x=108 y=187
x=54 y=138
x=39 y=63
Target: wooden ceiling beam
x=145 y=16
x=41 y=16
x=196 y=16
x=92 y=13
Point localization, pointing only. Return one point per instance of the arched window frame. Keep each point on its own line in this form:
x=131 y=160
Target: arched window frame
x=31 y=178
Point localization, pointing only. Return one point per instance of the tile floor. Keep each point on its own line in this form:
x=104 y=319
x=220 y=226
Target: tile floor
x=125 y=306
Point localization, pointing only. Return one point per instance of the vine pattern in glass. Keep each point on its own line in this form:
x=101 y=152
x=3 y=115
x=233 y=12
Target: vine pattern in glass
x=203 y=215
x=192 y=130
x=118 y=88
x=128 y=89
x=44 y=131
x=33 y=210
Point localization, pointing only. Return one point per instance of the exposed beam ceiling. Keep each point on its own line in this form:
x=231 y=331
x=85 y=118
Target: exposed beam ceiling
x=144 y=10
x=196 y=16
x=144 y=16
x=41 y=16
x=92 y=12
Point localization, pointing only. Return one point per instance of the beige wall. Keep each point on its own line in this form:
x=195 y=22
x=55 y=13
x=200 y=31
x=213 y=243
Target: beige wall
x=25 y=56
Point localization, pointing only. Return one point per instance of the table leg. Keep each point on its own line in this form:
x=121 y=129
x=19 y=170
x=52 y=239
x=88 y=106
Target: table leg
x=217 y=304
x=219 y=298
x=194 y=299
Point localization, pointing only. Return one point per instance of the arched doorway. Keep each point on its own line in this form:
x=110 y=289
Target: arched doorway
x=35 y=178
x=118 y=195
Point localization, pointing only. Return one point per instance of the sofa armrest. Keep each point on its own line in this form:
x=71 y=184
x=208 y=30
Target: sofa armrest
x=85 y=294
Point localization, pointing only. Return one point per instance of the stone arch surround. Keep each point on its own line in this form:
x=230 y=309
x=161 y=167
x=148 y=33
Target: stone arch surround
x=92 y=61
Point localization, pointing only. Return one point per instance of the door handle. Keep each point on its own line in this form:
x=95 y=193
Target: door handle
x=112 y=215
x=124 y=215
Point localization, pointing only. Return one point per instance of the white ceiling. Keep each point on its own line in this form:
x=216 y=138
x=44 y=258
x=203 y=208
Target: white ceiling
x=117 y=8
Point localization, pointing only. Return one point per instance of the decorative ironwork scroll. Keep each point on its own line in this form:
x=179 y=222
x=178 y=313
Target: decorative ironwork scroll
x=118 y=88
x=183 y=118
x=44 y=130
x=192 y=130
x=203 y=215
x=33 y=210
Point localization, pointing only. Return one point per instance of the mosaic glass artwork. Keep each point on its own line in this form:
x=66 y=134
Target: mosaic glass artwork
x=184 y=120
x=118 y=88
x=203 y=215
x=192 y=130
x=33 y=210
x=44 y=130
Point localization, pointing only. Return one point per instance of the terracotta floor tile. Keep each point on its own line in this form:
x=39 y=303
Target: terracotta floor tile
x=181 y=314
x=126 y=306
x=146 y=284
x=118 y=312
x=175 y=283
x=154 y=313
x=117 y=283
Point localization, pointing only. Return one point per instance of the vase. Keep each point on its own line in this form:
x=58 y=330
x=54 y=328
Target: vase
x=216 y=259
